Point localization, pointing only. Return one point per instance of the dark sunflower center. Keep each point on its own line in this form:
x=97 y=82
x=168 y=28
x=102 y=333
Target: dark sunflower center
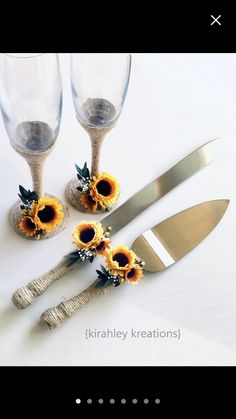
x=87 y=235
x=30 y=224
x=100 y=246
x=47 y=214
x=131 y=273
x=104 y=188
x=121 y=259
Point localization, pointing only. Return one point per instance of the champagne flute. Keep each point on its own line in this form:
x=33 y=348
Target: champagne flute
x=31 y=106
x=99 y=85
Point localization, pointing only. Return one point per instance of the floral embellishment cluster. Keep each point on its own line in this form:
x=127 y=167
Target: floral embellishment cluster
x=91 y=239
x=98 y=193
x=121 y=263
x=39 y=215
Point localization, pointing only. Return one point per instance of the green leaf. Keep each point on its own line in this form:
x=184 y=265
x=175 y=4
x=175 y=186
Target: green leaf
x=101 y=283
x=74 y=256
x=104 y=283
x=22 y=199
x=71 y=262
x=102 y=276
x=23 y=191
x=80 y=171
x=108 y=282
x=27 y=196
x=33 y=196
x=98 y=272
x=86 y=170
x=104 y=270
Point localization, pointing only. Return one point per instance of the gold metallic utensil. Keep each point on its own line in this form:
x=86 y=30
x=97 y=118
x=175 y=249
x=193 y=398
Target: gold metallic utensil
x=160 y=247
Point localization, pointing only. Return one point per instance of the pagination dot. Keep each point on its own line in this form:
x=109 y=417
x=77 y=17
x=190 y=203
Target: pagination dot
x=134 y=401
x=146 y=401
x=123 y=401
x=89 y=401
x=112 y=401
x=78 y=401
x=157 y=401
x=100 y=401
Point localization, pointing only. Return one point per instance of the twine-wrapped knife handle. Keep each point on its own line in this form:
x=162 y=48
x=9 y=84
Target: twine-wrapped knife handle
x=23 y=297
x=55 y=316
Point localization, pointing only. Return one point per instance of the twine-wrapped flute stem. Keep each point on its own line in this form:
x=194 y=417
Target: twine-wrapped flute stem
x=24 y=296
x=55 y=316
x=36 y=164
x=97 y=136
x=36 y=169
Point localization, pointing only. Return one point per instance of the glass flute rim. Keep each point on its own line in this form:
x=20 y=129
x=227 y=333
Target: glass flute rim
x=24 y=57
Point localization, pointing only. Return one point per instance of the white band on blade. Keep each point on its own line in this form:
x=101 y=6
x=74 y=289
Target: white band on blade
x=158 y=248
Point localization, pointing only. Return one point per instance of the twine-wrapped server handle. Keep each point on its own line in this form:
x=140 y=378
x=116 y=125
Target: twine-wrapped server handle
x=55 y=316
x=24 y=296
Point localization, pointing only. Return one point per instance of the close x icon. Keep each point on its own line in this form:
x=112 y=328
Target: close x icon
x=216 y=20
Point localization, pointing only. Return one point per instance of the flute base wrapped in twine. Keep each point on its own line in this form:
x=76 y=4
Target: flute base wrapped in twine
x=72 y=194
x=55 y=316
x=36 y=163
x=24 y=296
x=15 y=216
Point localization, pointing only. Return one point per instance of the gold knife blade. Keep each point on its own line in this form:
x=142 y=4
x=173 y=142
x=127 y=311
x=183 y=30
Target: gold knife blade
x=159 y=247
x=173 y=238
x=155 y=190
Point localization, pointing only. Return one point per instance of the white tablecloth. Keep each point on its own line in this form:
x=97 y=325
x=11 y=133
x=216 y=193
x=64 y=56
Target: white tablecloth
x=175 y=103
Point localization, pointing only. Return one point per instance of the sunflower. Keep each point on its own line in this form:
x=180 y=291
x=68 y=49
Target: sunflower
x=88 y=202
x=28 y=226
x=134 y=275
x=88 y=234
x=103 y=247
x=47 y=213
x=104 y=189
x=119 y=260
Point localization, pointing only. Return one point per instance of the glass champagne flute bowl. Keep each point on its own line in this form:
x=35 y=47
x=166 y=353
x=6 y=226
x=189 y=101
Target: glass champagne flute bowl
x=99 y=85
x=31 y=106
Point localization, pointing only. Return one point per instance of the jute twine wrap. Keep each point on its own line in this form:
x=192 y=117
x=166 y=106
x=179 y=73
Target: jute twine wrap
x=23 y=297
x=97 y=136
x=36 y=163
x=55 y=316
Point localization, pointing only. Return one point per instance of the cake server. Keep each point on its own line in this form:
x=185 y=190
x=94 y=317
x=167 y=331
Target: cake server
x=159 y=247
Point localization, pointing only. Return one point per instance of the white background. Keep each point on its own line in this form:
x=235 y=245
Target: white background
x=175 y=103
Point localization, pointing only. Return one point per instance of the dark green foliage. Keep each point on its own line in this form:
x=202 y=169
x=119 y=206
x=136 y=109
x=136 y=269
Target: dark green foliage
x=105 y=278
x=83 y=174
x=27 y=197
